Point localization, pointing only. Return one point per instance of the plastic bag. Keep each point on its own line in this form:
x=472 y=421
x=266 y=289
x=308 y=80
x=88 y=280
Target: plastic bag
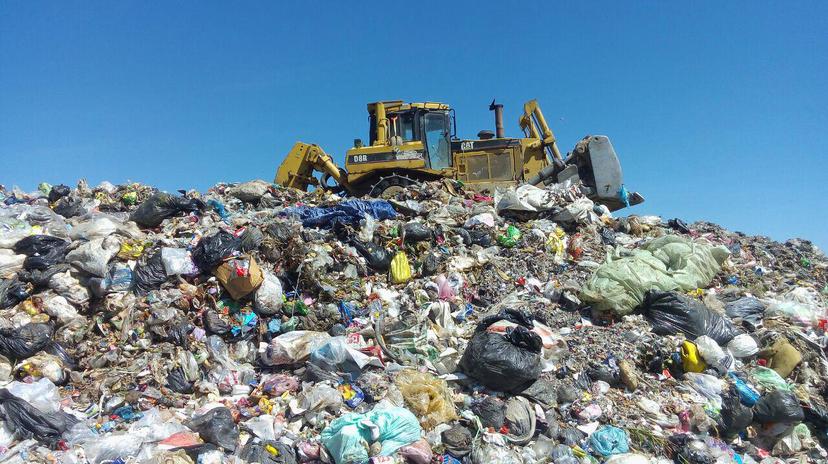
x=267 y=452
x=59 y=308
x=42 y=394
x=418 y=452
x=707 y=385
x=671 y=313
x=427 y=396
x=666 y=263
x=510 y=237
x=347 y=212
x=609 y=440
x=377 y=257
x=216 y=426
x=742 y=346
x=30 y=422
x=335 y=356
x=24 y=342
x=67 y=286
x=709 y=349
x=93 y=256
x=212 y=250
x=748 y=309
x=802 y=305
x=12 y=292
x=400 y=269
x=778 y=406
x=769 y=379
x=177 y=261
x=347 y=437
x=509 y=362
x=691 y=360
x=162 y=205
x=42 y=251
x=417 y=232
x=734 y=416
x=292 y=347
x=58 y=191
x=269 y=297
x=10 y=262
x=149 y=274
x=250 y=192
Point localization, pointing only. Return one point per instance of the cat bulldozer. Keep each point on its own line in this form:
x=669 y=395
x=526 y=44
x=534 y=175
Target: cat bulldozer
x=410 y=143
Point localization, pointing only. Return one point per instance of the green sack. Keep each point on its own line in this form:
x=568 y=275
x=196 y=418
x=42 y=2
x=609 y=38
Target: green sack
x=510 y=237
x=348 y=437
x=666 y=263
x=769 y=379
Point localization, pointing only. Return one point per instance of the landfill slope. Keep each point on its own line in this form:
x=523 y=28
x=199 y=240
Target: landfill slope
x=253 y=323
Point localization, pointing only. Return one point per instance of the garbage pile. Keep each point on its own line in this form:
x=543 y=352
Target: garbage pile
x=253 y=323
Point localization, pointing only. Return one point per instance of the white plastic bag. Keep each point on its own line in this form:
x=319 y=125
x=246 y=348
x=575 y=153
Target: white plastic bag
x=269 y=296
x=742 y=346
x=69 y=287
x=59 y=308
x=42 y=394
x=94 y=255
x=709 y=349
x=10 y=262
x=292 y=347
x=177 y=261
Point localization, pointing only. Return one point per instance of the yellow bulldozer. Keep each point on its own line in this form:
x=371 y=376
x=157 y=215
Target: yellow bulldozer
x=409 y=143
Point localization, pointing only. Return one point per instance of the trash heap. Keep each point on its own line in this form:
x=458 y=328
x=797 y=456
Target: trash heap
x=252 y=323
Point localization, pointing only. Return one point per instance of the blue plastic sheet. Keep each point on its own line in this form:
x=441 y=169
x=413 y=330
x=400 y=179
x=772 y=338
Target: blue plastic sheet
x=609 y=440
x=347 y=437
x=348 y=212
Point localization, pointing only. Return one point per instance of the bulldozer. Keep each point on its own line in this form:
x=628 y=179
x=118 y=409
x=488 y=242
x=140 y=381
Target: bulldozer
x=411 y=143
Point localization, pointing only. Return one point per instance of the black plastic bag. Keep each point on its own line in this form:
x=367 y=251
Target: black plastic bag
x=149 y=275
x=255 y=451
x=251 y=239
x=417 y=232
x=608 y=236
x=25 y=342
x=778 y=406
x=179 y=334
x=40 y=278
x=377 y=257
x=512 y=315
x=29 y=422
x=213 y=249
x=491 y=411
x=480 y=237
x=748 y=309
x=12 y=292
x=508 y=363
x=216 y=426
x=160 y=206
x=671 y=313
x=177 y=381
x=431 y=264
x=69 y=207
x=571 y=436
x=42 y=251
x=734 y=416
x=58 y=191
x=214 y=324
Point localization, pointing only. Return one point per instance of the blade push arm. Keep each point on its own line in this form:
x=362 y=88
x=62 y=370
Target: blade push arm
x=297 y=169
x=533 y=122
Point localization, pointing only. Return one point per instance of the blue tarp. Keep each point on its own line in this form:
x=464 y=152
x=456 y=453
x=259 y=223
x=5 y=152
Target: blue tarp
x=347 y=212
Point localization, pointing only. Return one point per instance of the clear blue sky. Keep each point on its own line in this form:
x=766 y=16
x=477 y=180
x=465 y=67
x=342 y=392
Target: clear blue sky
x=719 y=110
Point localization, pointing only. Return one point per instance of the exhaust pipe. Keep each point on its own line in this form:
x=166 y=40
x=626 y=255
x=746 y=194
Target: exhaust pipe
x=498 y=111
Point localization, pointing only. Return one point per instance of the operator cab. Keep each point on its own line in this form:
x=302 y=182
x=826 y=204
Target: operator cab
x=429 y=123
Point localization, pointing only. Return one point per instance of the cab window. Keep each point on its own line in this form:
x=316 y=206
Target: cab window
x=436 y=132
